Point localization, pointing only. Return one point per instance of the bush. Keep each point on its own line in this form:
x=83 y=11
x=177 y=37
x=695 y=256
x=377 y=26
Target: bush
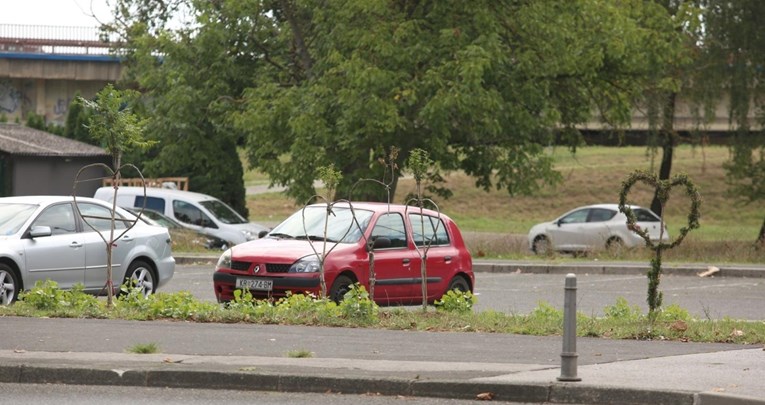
x=46 y=296
x=357 y=305
x=622 y=311
x=456 y=301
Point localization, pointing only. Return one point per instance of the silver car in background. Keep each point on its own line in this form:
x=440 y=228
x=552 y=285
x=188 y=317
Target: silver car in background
x=43 y=237
x=593 y=227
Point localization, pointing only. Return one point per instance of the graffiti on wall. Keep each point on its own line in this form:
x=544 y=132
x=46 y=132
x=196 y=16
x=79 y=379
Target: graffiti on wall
x=61 y=106
x=11 y=99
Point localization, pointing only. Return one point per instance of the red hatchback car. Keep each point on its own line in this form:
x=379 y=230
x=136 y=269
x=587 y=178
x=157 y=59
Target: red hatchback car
x=288 y=258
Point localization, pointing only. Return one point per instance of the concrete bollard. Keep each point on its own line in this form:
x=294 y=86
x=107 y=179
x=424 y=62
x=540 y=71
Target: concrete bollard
x=569 y=356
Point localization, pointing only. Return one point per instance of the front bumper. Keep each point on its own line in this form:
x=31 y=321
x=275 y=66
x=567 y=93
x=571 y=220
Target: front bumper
x=225 y=285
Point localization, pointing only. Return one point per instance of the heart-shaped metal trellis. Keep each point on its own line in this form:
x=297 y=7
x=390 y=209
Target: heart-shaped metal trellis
x=663 y=188
x=332 y=245
x=113 y=175
x=108 y=242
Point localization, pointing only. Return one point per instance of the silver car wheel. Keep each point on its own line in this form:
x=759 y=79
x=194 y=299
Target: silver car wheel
x=541 y=246
x=7 y=287
x=142 y=277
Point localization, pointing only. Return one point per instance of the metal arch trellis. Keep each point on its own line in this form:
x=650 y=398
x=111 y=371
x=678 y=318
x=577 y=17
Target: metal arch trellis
x=109 y=286
x=663 y=188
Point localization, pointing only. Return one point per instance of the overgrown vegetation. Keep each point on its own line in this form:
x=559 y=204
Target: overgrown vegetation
x=621 y=320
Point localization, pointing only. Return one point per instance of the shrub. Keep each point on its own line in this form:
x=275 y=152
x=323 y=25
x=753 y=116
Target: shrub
x=357 y=305
x=622 y=311
x=456 y=301
x=45 y=295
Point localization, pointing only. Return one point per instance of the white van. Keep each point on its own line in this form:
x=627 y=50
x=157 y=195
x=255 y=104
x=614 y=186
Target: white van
x=194 y=210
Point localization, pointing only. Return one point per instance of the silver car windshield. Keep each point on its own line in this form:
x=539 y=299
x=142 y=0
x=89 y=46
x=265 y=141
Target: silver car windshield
x=309 y=224
x=13 y=217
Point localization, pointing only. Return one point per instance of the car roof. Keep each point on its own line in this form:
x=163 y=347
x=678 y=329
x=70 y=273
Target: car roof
x=46 y=199
x=382 y=207
x=614 y=207
x=166 y=192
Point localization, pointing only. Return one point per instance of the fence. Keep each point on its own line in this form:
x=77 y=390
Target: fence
x=179 y=183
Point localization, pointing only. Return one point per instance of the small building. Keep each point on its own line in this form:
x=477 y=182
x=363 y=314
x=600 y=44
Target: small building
x=34 y=162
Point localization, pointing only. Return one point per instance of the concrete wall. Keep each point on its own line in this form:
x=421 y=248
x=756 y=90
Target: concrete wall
x=50 y=98
x=47 y=85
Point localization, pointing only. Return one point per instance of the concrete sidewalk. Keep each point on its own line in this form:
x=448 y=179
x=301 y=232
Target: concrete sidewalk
x=437 y=364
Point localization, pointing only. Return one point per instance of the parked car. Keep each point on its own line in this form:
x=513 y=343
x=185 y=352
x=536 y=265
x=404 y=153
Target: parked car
x=195 y=210
x=288 y=258
x=178 y=231
x=44 y=237
x=599 y=226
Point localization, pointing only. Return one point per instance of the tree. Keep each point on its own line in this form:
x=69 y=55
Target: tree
x=671 y=68
x=187 y=77
x=112 y=123
x=484 y=86
x=732 y=58
x=75 y=126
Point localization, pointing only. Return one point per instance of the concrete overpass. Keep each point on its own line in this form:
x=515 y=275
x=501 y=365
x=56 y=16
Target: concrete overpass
x=43 y=67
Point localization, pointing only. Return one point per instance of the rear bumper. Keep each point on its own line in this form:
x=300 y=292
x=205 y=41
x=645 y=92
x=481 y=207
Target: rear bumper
x=165 y=270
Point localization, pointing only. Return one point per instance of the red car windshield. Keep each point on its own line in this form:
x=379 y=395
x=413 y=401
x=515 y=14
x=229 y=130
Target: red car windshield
x=342 y=224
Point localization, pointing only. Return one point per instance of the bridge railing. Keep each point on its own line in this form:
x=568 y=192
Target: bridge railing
x=54 y=39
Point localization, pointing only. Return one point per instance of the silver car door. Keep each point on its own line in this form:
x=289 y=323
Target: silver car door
x=95 y=247
x=649 y=221
x=568 y=232
x=59 y=257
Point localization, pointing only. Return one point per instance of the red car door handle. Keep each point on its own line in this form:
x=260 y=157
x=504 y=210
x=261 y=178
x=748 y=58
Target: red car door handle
x=406 y=261
x=447 y=259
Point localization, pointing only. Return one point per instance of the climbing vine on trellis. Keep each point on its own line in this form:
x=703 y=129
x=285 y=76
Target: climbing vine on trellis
x=663 y=188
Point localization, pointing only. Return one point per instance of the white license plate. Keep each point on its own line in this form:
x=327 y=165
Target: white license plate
x=255 y=284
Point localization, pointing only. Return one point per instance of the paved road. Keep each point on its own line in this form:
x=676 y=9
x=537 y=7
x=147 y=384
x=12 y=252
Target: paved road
x=703 y=297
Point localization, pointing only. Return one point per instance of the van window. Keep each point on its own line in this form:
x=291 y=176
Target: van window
x=152 y=203
x=190 y=214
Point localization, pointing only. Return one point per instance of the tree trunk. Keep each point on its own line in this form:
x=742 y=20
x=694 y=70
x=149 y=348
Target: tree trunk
x=669 y=139
x=761 y=238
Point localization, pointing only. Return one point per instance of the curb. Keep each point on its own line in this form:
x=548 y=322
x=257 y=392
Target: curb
x=557 y=393
x=488 y=266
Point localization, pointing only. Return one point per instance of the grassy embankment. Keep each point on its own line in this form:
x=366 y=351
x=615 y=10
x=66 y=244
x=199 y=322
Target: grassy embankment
x=496 y=224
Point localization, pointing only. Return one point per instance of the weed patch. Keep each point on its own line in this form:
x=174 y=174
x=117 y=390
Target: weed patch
x=144 y=348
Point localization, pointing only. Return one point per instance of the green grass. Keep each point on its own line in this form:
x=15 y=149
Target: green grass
x=620 y=321
x=496 y=221
x=300 y=354
x=144 y=348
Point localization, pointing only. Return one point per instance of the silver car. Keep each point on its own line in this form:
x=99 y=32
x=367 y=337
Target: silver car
x=43 y=237
x=599 y=226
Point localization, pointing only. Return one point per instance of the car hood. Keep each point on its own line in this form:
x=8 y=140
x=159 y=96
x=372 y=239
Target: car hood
x=542 y=226
x=250 y=226
x=286 y=249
